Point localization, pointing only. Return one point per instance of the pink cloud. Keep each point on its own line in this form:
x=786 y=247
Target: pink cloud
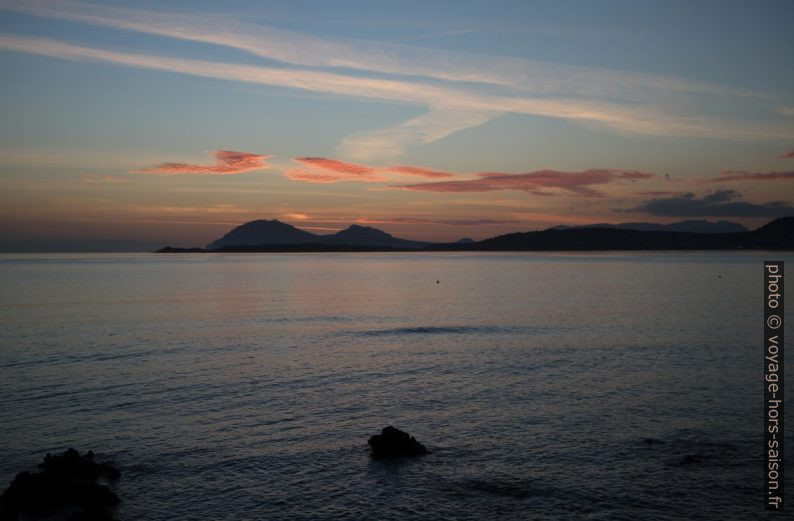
x=324 y=170
x=297 y=174
x=227 y=162
x=788 y=155
x=419 y=171
x=538 y=182
x=741 y=175
x=336 y=166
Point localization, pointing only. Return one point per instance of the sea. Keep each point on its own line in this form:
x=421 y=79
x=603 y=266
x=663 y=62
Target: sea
x=571 y=386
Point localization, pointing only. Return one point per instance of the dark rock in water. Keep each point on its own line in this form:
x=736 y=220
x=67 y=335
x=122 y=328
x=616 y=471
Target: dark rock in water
x=66 y=481
x=70 y=463
x=394 y=443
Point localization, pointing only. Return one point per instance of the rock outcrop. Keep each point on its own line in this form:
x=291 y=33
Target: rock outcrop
x=393 y=443
x=66 y=482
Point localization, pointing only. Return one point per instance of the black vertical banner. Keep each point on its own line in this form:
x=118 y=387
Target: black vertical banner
x=773 y=385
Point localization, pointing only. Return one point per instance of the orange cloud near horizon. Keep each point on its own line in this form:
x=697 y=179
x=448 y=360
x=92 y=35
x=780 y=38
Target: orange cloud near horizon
x=741 y=175
x=418 y=170
x=228 y=162
x=325 y=170
x=537 y=183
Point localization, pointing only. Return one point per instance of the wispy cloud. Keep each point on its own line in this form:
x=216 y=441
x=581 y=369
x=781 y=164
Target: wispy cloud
x=418 y=171
x=325 y=170
x=227 y=162
x=741 y=175
x=298 y=174
x=788 y=155
x=722 y=203
x=530 y=76
x=542 y=182
x=438 y=123
x=336 y=166
x=459 y=90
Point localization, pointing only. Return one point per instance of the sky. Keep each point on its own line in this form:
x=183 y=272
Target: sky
x=171 y=122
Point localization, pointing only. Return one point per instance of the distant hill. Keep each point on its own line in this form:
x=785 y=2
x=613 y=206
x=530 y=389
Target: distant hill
x=777 y=235
x=263 y=232
x=779 y=230
x=274 y=236
x=692 y=226
x=269 y=233
x=356 y=235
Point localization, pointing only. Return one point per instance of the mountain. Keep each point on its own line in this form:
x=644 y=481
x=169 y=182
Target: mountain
x=267 y=233
x=778 y=231
x=356 y=235
x=777 y=235
x=692 y=226
x=274 y=236
x=264 y=232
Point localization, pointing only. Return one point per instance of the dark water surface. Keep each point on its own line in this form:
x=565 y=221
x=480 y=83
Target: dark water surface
x=245 y=386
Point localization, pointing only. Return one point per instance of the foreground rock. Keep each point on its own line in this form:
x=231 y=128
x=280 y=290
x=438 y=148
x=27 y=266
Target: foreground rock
x=394 y=443
x=67 y=482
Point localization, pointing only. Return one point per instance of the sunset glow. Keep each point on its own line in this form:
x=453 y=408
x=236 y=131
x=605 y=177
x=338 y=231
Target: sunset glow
x=170 y=123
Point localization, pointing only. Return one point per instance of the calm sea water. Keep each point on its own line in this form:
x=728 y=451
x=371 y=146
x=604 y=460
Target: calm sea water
x=546 y=386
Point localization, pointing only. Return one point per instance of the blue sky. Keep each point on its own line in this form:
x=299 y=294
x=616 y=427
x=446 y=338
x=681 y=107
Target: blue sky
x=432 y=120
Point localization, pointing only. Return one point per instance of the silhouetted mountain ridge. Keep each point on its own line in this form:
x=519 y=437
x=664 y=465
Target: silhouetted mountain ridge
x=275 y=232
x=693 y=226
x=356 y=235
x=263 y=232
x=777 y=235
x=273 y=236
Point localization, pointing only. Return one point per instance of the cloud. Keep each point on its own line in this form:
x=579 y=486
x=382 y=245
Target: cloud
x=337 y=166
x=788 y=155
x=786 y=110
x=531 y=76
x=418 y=171
x=297 y=174
x=325 y=170
x=450 y=109
x=227 y=163
x=537 y=183
x=740 y=175
x=722 y=203
x=389 y=143
x=459 y=90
